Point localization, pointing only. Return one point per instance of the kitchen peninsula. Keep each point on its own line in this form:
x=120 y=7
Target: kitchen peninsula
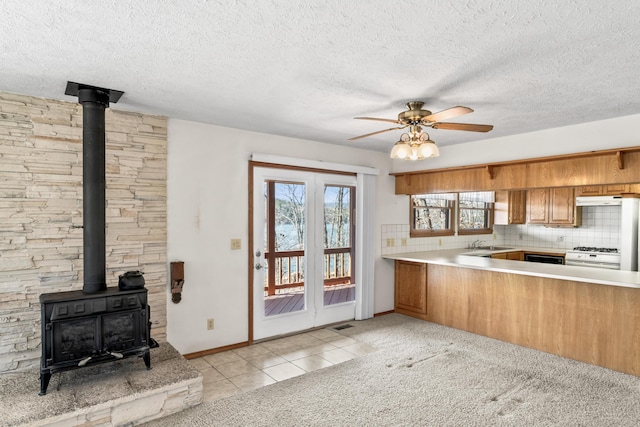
x=587 y=314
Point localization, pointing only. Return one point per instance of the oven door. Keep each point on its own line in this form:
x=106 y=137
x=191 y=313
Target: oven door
x=593 y=264
x=547 y=259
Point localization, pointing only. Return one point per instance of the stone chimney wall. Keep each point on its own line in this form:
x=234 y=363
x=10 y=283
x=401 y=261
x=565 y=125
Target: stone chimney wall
x=41 y=212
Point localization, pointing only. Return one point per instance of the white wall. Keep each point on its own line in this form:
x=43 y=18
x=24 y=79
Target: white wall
x=207 y=193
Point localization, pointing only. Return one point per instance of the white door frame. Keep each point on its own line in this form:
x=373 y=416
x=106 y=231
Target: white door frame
x=365 y=240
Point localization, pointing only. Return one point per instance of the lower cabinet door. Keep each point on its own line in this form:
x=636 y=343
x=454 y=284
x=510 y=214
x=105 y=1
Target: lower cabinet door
x=411 y=289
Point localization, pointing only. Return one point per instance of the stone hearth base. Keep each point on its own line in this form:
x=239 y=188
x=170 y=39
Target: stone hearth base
x=111 y=394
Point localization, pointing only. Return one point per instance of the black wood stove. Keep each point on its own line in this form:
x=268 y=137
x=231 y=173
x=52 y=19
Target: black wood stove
x=79 y=329
x=97 y=324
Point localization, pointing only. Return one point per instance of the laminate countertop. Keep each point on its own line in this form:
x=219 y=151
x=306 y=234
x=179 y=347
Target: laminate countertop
x=477 y=259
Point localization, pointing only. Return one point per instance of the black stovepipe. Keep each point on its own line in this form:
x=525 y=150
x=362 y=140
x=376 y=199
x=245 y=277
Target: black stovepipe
x=94 y=102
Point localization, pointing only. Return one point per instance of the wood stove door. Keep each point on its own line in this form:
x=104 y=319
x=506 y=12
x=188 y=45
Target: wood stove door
x=73 y=340
x=123 y=331
x=96 y=336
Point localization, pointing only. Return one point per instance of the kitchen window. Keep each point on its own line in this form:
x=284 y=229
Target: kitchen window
x=432 y=214
x=475 y=212
x=444 y=214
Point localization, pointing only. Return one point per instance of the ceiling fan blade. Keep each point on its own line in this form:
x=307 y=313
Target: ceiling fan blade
x=375 y=133
x=447 y=114
x=463 y=126
x=379 y=120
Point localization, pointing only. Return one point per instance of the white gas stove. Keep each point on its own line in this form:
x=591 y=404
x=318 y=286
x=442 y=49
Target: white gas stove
x=587 y=256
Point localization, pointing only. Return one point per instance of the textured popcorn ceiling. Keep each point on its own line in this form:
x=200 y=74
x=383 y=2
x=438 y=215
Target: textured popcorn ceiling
x=305 y=68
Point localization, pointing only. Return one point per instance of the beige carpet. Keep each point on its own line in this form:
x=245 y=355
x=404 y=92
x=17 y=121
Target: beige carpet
x=429 y=375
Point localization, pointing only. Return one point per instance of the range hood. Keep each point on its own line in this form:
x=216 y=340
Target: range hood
x=598 y=201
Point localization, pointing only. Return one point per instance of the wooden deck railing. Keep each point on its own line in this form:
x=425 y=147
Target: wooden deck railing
x=289 y=269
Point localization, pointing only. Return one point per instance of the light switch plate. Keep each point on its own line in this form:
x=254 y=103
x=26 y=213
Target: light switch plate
x=236 y=244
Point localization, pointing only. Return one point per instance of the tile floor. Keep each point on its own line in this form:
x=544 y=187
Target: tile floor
x=258 y=365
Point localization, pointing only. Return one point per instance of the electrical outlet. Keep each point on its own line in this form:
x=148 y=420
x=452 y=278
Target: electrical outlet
x=560 y=239
x=210 y=324
x=439 y=242
x=519 y=236
x=403 y=241
x=391 y=242
x=236 y=244
x=494 y=236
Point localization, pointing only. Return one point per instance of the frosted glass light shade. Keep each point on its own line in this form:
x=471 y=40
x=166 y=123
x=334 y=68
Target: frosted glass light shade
x=414 y=148
x=401 y=150
x=429 y=149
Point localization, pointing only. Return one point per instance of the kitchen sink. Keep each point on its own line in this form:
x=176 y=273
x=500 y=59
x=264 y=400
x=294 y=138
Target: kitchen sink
x=493 y=248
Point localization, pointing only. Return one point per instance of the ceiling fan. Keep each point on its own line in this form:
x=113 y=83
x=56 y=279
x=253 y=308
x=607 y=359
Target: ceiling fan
x=416 y=116
x=416 y=144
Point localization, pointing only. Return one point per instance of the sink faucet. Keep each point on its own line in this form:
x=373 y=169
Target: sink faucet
x=475 y=244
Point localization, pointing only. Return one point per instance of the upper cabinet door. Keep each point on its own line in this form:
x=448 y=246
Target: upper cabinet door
x=510 y=207
x=589 y=190
x=518 y=207
x=603 y=190
x=537 y=201
x=562 y=206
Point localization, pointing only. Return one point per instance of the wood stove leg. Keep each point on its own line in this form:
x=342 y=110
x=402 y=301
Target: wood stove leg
x=44 y=382
x=146 y=356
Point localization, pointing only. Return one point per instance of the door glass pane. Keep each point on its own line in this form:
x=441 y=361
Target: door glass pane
x=285 y=231
x=338 y=238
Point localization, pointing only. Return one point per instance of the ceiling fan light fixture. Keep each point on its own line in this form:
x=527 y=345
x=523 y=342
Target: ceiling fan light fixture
x=401 y=150
x=414 y=146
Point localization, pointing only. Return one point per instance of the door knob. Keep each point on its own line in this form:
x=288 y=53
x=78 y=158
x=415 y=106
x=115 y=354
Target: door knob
x=259 y=266
x=258 y=253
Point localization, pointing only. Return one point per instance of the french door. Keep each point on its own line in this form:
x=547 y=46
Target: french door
x=303 y=250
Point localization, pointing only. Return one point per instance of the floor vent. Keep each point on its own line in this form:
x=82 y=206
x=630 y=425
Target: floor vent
x=341 y=327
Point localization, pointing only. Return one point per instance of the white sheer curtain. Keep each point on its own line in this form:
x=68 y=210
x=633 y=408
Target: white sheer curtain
x=365 y=203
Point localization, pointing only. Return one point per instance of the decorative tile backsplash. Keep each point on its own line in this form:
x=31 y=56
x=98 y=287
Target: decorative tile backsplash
x=600 y=227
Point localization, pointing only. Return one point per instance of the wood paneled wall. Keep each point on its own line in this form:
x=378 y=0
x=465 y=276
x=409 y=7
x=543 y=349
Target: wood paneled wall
x=593 y=168
x=591 y=323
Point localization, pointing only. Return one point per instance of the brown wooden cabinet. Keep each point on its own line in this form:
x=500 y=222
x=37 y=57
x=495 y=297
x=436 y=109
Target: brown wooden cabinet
x=513 y=255
x=510 y=207
x=538 y=206
x=562 y=206
x=553 y=207
x=411 y=289
x=589 y=322
x=590 y=190
x=605 y=190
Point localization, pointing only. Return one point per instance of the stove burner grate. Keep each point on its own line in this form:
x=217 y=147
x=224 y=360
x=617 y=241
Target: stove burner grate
x=595 y=249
